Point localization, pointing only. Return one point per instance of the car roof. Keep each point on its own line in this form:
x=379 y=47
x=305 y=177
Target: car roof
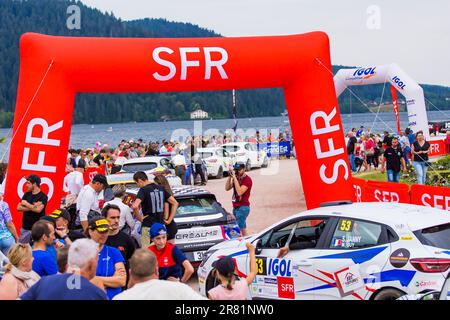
x=235 y=144
x=209 y=149
x=389 y=213
x=144 y=160
x=181 y=191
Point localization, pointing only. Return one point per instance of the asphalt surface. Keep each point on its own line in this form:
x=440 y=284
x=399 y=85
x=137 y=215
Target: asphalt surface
x=276 y=194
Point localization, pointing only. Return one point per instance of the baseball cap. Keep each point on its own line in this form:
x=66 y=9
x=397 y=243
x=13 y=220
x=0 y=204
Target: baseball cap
x=100 y=178
x=33 y=178
x=157 y=229
x=238 y=166
x=60 y=213
x=99 y=223
x=224 y=265
x=159 y=170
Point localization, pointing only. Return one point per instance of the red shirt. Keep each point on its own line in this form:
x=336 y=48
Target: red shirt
x=243 y=200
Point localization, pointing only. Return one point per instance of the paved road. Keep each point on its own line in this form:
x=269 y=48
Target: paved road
x=276 y=194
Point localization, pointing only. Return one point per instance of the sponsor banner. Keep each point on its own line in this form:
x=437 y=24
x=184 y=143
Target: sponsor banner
x=377 y=191
x=198 y=235
x=90 y=173
x=437 y=147
x=359 y=188
x=276 y=149
x=436 y=197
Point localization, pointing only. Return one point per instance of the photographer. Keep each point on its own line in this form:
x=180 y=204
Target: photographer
x=241 y=184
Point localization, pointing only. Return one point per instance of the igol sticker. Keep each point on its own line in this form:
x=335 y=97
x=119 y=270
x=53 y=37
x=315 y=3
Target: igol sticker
x=399 y=258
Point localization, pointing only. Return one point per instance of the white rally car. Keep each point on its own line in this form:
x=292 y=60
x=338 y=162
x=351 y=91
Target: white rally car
x=217 y=161
x=359 y=251
x=247 y=153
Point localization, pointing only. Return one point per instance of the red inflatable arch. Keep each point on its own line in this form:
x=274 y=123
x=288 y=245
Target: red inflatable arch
x=54 y=69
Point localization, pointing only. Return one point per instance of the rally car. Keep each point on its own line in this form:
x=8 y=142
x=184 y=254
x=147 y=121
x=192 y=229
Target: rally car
x=375 y=251
x=202 y=221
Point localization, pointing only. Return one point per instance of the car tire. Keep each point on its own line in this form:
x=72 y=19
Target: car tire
x=265 y=163
x=248 y=165
x=388 y=294
x=219 y=173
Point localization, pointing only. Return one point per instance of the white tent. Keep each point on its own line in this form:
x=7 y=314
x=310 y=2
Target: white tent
x=410 y=89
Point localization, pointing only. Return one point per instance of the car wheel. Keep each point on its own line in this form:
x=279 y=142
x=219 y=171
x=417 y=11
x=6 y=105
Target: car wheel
x=248 y=166
x=388 y=294
x=219 y=173
x=265 y=162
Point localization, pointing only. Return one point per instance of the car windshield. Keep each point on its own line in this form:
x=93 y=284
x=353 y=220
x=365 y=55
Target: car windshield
x=437 y=236
x=205 y=155
x=197 y=207
x=143 y=166
x=231 y=149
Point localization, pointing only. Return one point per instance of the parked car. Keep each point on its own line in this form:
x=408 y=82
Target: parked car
x=146 y=164
x=247 y=153
x=202 y=221
x=360 y=251
x=217 y=161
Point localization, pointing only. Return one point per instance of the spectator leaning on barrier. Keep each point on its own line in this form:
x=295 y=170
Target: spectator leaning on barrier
x=43 y=234
x=32 y=205
x=75 y=284
x=447 y=142
x=19 y=275
x=145 y=283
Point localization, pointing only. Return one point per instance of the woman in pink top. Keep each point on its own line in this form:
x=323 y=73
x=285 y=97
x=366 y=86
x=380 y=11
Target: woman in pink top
x=231 y=288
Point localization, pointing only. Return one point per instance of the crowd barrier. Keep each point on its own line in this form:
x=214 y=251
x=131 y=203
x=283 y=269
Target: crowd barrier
x=373 y=191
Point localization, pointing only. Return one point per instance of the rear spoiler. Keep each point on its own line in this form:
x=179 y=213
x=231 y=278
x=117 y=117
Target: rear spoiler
x=335 y=203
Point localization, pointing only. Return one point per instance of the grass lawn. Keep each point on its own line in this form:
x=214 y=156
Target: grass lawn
x=378 y=176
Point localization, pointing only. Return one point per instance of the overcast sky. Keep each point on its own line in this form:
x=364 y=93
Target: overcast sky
x=414 y=34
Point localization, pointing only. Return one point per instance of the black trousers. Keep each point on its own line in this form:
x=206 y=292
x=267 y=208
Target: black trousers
x=199 y=170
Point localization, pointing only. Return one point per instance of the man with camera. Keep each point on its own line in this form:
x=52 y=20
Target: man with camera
x=241 y=184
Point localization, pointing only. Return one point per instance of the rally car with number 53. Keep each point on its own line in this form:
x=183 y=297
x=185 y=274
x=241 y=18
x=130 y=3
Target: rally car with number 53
x=361 y=251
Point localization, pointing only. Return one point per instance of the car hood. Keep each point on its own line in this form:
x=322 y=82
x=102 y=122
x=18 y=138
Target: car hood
x=234 y=244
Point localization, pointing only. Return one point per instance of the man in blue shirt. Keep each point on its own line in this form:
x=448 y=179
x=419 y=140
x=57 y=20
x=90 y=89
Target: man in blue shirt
x=111 y=267
x=43 y=235
x=75 y=284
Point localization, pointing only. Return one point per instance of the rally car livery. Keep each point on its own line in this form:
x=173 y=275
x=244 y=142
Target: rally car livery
x=202 y=221
x=351 y=251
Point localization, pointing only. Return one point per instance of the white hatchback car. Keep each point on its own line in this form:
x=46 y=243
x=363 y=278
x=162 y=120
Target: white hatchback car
x=361 y=251
x=146 y=164
x=217 y=161
x=247 y=153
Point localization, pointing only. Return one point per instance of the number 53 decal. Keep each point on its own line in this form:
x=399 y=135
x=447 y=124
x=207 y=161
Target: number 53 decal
x=346 y=225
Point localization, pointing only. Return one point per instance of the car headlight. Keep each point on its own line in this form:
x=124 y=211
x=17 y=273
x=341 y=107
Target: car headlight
x=207 y=255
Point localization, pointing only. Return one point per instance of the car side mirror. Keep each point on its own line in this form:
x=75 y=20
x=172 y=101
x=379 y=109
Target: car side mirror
x=258 y=246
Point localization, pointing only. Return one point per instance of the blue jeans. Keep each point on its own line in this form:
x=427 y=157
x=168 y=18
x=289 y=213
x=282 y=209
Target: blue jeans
x=392 y=175
x=406 y=152
x=5 y=244
x=351 y=159
x=421 y=171
x=241 y=214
